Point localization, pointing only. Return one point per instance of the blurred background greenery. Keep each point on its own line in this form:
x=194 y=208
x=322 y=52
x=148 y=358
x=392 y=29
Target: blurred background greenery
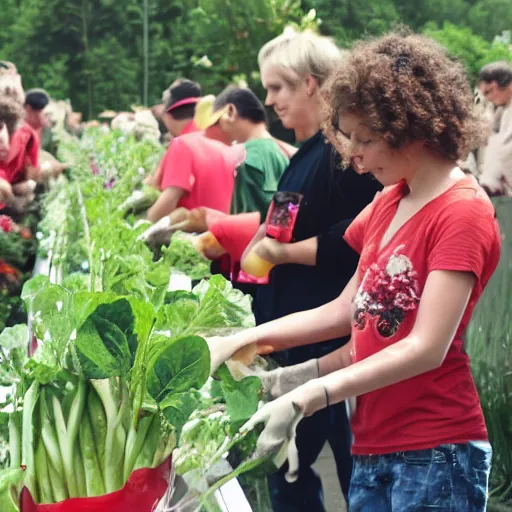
x=92 y=51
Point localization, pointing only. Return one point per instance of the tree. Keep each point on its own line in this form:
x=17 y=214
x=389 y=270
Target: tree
x=471 y=49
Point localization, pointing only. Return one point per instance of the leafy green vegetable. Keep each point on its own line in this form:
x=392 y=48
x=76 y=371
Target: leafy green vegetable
x=181 y=365
x=139 y=201
x=241 y=397
x=182 y=256
x=106 y=348
x=11 y=481
x=120 y=369
x=13 y=354
x=177 y=409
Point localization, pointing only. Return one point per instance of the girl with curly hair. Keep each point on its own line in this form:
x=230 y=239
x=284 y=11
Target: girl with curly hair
x=294 y=67
x=429 y=242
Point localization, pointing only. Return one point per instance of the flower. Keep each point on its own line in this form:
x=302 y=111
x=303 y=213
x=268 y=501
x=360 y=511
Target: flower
x=398 y=263
x=388 y=293
x=6 y=224
x=204 y=61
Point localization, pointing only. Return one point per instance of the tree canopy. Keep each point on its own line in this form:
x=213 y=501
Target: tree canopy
x=91 y=51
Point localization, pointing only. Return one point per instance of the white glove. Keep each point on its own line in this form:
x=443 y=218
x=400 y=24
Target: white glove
x=281 y=418
x=281 y=380
x=159 y=233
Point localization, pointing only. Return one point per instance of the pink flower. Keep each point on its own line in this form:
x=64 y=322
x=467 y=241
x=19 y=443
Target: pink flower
x=6 y=224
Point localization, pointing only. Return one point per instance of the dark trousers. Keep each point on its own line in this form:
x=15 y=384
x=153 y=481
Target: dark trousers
x=305 y=495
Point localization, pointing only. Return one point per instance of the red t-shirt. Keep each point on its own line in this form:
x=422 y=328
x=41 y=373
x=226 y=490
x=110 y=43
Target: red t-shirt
x=456 y=231
x=24 y=149
x=204 y=168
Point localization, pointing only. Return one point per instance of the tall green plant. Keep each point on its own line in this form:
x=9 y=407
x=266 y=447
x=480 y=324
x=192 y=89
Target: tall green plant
x=489 y=343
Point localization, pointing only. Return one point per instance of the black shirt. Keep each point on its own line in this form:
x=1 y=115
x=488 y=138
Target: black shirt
x=332 y=198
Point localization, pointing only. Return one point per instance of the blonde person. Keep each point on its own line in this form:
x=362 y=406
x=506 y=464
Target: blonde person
x=429 y=242
x=293 y=68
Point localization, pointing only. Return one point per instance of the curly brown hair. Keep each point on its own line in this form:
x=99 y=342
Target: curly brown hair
x=11 y=113
x=407 y=89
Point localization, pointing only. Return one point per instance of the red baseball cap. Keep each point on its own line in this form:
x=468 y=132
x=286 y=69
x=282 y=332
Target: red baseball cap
x=184 y=93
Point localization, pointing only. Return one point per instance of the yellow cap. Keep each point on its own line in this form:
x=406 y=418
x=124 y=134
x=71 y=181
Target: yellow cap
x=205 y=116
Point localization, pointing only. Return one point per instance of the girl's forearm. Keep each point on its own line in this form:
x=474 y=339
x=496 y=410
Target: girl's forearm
x=335 y=361
x=403 y=360
x=321 y=324
x=303 y=253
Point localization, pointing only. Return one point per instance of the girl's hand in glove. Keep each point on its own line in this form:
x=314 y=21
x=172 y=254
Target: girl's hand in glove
x=280 y=381
x=159 y=233
x=281 y=418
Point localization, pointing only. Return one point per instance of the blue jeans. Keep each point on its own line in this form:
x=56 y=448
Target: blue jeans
x=449 y=478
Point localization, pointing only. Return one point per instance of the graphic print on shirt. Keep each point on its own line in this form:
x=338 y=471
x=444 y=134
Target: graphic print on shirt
x=387 y=294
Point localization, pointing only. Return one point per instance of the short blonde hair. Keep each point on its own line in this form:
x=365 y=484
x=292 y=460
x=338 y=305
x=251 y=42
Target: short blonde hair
x=10 y=82
x=304 y=53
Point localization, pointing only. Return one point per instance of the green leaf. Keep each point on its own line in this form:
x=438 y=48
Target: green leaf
x=241 y=397
x=222 y=305
x=180 y=366
x=182 y=256
x=53 y=317
x=32 y=287
x=11 y=481
x=144 y=313
x=86 y=302
x=177 y=295
x=106 y=342
x=178 y=317
x=178 y=408
x=13 y=353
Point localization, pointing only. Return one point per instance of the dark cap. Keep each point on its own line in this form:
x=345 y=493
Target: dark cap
x=183 y=93
x=38 y=99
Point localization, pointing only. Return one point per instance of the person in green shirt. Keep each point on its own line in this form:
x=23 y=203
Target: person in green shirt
x=236 y=115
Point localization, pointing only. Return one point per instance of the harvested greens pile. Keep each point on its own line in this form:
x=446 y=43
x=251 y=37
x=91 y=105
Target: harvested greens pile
x=120 y=365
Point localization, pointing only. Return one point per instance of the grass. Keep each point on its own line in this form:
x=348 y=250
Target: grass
x=489 y=343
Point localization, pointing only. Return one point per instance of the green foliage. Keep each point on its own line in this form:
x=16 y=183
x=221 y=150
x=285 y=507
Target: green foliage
x=180 y=365
x=489 y=343
x=347 y=22
x=91 y=51
x=474 y=51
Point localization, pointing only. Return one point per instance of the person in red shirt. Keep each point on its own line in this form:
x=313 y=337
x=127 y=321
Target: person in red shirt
x=11 y=113
x=176 y=113
x=36 y=101
x=195 y=171
x=23 y=161
x=428 y=245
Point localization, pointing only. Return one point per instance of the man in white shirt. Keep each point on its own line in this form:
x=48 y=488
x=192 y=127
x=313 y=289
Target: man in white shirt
x=495 y=83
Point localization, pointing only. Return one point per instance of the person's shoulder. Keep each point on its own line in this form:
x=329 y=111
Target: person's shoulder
x=25 y=132
x=261 y=151
x=189 y=138
x=466 y=208
x=467 y=197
